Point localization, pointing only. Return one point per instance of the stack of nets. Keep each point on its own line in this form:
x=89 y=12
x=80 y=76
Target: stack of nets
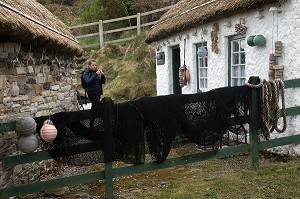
x=150 y=125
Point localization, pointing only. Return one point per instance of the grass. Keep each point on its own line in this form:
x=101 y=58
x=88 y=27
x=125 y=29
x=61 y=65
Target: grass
x=129 y=69
x=220 y=178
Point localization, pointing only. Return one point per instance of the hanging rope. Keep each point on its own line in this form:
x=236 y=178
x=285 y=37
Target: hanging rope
x=271 y=93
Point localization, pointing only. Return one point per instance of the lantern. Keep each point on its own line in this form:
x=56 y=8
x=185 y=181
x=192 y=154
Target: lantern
x=202 y=52
x=182 y=81
x=48 y=131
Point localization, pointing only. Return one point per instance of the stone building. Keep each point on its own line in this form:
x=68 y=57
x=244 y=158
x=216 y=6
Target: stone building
x=37 y=65
x=37 y=75
x=214 y=40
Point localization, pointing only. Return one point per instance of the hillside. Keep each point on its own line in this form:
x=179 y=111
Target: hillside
x=129 y=67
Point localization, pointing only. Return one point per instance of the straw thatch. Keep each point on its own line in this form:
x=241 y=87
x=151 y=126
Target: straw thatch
x=28 y=22
x=188 y=14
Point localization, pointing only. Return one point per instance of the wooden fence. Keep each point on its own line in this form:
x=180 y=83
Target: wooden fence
x=253 y=148
x=103 y=32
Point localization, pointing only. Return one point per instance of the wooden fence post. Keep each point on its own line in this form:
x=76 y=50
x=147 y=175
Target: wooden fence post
x=138 y=23
x=254 y=125
x=101 y=40
x=108 y=146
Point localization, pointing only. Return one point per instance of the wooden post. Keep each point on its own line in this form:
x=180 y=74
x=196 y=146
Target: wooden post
x=254 y=125
x=101 y=40
x=108 y=146
x=138 y=23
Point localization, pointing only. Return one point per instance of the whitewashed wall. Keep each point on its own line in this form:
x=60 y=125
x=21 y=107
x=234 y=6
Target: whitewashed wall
x=257 y=58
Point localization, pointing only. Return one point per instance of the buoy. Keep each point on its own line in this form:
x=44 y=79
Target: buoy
x=25 y=126
x=48 y=131
x=27 y=144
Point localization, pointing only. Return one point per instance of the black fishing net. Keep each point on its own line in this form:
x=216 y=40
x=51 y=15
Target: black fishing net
x=149 y=125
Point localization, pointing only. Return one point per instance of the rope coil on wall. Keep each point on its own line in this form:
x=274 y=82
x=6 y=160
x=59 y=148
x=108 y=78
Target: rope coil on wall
x=271 y=92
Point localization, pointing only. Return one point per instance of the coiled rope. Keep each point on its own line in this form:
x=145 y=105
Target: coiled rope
x=271 y=92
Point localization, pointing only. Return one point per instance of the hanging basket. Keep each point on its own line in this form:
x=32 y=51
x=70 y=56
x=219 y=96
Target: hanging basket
x=48 y=131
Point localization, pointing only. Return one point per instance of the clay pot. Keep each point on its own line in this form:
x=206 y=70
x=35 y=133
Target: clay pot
x=48 y=131
x=27 y=144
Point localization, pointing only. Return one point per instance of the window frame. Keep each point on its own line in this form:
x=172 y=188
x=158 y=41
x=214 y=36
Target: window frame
x=198 y=67
x=240 y=77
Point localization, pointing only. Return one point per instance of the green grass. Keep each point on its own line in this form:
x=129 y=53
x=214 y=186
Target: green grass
x=129 y=69
x=216 y=180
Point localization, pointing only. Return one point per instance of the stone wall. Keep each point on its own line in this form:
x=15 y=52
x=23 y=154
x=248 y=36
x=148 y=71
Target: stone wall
x=32 y=83
x=35 y=83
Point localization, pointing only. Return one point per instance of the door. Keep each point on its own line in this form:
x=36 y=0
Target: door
x=175 y=68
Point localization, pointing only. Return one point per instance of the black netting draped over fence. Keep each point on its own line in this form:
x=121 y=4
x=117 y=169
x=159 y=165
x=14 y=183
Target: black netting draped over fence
x=149 y=125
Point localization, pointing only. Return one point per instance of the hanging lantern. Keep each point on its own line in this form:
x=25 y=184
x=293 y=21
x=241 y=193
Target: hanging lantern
x=182 y=81
x=48 y=131
x=202 y=52
x=27 y=144
x=186 y=76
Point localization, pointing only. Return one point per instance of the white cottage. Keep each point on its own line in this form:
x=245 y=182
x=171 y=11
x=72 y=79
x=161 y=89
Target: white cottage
x=227 y=30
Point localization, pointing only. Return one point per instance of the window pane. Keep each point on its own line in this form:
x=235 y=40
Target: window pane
x=235 y=58
x=235 y=81
x=242 y=81
x=235 y=71
x=202 y=83
x=205 y=62
x=242 y=67
x=242 y=45
x=200 y=62
x=243 y=59
x=205 y=83
x=235 y=46
x=203 y=72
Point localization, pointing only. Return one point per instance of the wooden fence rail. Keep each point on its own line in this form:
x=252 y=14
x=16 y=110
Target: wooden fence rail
x=103 y=32
x=253 y=148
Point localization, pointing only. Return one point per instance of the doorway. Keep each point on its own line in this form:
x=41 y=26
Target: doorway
x=175 y=68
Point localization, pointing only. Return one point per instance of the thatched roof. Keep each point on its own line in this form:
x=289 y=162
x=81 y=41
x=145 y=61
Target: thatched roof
x=28 y=22
x=188 y=14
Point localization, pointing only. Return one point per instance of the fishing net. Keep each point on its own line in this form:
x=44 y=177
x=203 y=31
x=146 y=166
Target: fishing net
x=150 y=125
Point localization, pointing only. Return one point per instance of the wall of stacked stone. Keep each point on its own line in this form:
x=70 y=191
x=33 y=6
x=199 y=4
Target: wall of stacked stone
x=35 y=83
x=32 y=83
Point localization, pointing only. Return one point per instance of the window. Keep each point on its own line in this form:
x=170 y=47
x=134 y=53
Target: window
x=202 y=68
x=237 y=61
